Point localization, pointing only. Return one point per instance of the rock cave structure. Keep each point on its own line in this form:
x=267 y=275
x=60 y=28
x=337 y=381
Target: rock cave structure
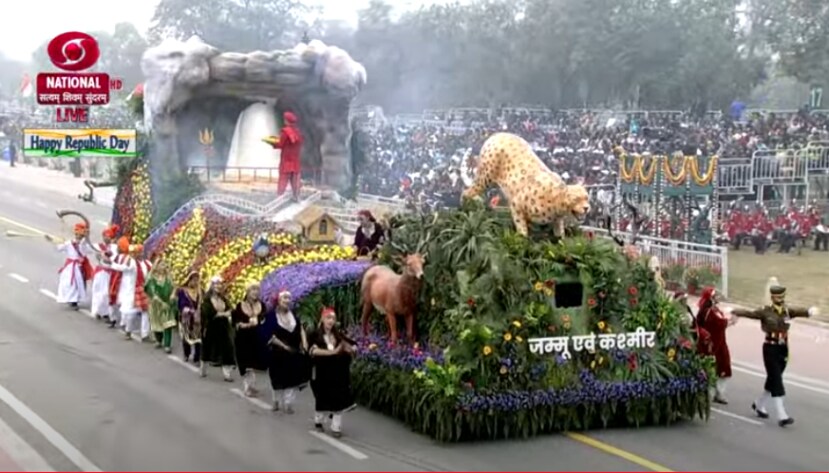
x=191 y=87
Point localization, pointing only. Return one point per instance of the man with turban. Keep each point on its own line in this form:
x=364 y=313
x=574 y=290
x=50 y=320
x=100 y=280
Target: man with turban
x=122 y=249
x=133 y=301
x=290 y=163
x=76 y=270
x=101 y=304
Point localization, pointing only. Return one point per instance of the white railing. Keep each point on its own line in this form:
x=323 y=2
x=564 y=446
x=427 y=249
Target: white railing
x=779 y=167
x=679 y=253
x=735 y=176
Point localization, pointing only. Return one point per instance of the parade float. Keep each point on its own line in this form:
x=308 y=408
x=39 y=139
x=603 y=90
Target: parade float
x=517 y=330
x=515 y=335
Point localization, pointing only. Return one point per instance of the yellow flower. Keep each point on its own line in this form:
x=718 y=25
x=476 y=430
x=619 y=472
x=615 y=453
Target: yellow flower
x=519 y=339
x=593 y=364
x=487 y=350
x=539 y=286
x=548 y=292
x=601 y=360
x=602 y=325
x=567 y=326
x=419 y=374
x=507 y=337
x=671 y=354
x=372 y=346
x=503 y=370
x=517 y=324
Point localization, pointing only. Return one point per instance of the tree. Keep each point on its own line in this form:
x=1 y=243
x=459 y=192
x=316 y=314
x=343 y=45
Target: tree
x=232 y=25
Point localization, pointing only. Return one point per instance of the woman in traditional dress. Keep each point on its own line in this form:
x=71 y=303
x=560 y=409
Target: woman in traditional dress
x=189 y=309
x=711 y=326
x=247 y=317
x=331 y=353
x=163 y=299
x=369 y=234
x=288 y=366
x=217 y=332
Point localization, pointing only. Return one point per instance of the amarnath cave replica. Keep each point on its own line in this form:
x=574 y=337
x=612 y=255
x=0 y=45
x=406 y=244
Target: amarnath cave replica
x=196 y=95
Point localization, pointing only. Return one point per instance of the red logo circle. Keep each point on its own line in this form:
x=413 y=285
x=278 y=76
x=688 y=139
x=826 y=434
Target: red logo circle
x=73 y=51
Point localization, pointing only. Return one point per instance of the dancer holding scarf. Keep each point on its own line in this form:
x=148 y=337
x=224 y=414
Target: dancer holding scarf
x=76 y=270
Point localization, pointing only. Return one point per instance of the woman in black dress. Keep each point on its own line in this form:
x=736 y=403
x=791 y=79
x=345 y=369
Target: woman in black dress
x=331 y=353
x=369 y=234
x=288 y=366
x=247 y=317
x=217 y=339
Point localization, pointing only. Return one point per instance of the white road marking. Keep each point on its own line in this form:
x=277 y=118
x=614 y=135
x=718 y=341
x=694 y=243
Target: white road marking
x=46 y=430
x=18 y=277
x=21 y=452
x=256 y=402
x=49 y=294
x=183 y=363
x=735 y=416
x=347 y=449
x=800 y=379
x=787 y=382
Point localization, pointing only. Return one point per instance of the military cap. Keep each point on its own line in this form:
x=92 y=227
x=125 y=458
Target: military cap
x=777 y=290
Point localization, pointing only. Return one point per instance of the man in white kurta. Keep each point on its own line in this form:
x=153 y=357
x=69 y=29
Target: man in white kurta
x=101 y=302
x=132 y=300
x=72 y=277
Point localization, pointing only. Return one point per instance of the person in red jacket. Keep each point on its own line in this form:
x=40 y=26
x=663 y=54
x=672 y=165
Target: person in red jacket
x=711 y=325
x=290 y=142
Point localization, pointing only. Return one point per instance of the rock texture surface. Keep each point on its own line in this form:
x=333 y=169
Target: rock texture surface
x=316 y=81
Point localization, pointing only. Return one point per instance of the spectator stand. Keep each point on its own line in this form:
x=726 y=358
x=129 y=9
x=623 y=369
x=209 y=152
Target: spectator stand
x=675 y=195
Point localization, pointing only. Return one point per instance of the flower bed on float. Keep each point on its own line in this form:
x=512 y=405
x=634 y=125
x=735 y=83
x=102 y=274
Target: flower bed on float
x=495 y=315
x=133 y=206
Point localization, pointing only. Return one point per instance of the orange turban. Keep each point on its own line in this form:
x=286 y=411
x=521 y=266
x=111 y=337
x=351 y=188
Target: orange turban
x=80 y=228
x=123 y=245
x=111 y=231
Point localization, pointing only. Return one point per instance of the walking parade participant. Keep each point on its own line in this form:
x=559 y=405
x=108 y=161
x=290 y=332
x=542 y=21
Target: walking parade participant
x=247 y=318
x=76 y=270
x=132 y=300
x=162 y=296
x=290 y=161
x=189 y=309
x=217 y=332
x=121 y=256
x=288 y=366
x=331 y=353
x=101 y=302
x=712 y=320
x=775 y=321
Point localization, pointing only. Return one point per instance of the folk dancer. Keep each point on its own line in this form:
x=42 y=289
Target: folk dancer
x=217 y=332
x=775 y=321
x=101 y=302
x=189 y=308
x=76 y=270
x=710 y=319
x=331 y=354
x=288 y=366
x=369 y=235
x=161 y=291
x=290 y=161
x=132 y=300
x=123 y=247
x=250 y=351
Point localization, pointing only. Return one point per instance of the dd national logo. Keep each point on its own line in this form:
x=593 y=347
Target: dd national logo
x=73 y=52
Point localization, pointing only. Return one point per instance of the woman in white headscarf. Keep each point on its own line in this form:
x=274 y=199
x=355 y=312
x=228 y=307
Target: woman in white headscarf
x=217 y=339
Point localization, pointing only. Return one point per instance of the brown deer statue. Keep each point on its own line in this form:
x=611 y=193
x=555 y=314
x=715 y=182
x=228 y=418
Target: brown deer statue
x=395 y=294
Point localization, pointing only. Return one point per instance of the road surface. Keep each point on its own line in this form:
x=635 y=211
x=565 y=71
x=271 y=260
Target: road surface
x=76 y=396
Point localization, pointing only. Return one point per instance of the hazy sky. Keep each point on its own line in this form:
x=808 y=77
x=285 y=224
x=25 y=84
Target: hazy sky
x=36 y=21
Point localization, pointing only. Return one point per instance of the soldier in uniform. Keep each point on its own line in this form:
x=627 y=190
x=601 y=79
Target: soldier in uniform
x=775 y=320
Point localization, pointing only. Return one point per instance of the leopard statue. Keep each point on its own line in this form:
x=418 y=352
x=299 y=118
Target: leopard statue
x=535 y=194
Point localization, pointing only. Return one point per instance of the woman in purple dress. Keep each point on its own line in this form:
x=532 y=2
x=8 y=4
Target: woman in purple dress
x=369 y=235
x=189 y=309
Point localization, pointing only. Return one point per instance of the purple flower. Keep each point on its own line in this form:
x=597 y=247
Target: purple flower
x=304 y=278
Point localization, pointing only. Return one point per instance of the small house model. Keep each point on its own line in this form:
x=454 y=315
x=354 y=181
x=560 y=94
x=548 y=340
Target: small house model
x=317 y=225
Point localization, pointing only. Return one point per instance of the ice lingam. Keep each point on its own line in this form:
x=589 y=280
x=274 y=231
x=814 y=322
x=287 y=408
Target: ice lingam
x=210 y=108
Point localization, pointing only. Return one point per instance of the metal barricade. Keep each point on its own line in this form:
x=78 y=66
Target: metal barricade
x=680 y=254
x=779 y=167
x=735 y=176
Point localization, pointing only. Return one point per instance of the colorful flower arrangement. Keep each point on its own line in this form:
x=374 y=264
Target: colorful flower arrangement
x=133 y=209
